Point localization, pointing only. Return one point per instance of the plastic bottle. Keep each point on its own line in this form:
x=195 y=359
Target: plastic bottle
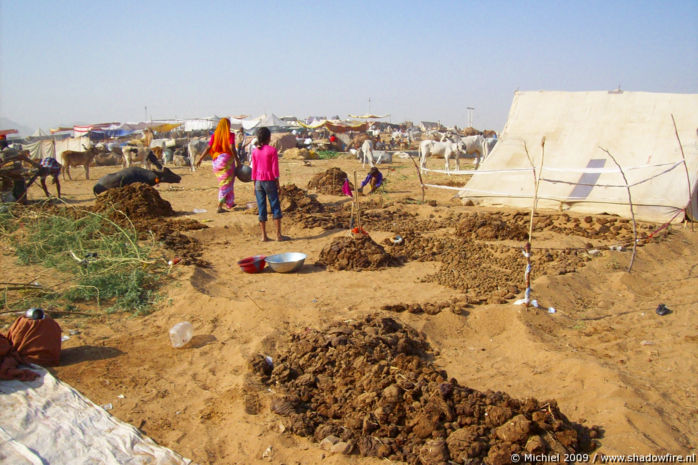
x=180 y=334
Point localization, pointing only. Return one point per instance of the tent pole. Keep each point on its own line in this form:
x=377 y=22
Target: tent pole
x=632 y=212
x=685 y=167
x=528 y=246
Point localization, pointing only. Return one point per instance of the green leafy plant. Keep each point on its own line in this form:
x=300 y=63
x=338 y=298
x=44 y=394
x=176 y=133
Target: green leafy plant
x=107 y=262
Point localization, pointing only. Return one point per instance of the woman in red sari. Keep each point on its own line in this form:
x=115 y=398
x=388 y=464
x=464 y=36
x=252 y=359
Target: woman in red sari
x=222 y=150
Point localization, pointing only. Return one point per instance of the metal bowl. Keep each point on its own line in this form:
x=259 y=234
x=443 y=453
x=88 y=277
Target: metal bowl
x=286 y=262
x=243 y=173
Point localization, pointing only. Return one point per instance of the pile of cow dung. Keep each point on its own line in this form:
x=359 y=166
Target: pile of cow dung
x=356 y=253
x=489 y=273
x=140 y=205
x=330 y=182
x=367 y=386
x=296 y=200
x=456 y=305
x=135 y=201
x=489 y=227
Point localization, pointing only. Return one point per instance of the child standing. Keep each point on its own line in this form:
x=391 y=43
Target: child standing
x=265 y=174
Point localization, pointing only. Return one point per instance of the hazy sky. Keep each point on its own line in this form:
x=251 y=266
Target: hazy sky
x=64 y=62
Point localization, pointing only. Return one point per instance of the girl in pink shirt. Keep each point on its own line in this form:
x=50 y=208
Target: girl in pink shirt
x=265 y=174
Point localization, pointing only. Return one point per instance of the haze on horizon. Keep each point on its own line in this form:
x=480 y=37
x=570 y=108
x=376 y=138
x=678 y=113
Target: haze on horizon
x=64 y=63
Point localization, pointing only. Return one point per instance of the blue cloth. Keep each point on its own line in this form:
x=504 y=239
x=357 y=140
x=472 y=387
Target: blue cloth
x=379 y=180
x=262 y=191
x=50 y=166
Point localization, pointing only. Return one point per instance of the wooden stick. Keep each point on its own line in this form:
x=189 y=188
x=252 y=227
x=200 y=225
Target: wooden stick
x=632 y=212
x=685 y=167
x=22 y=285
x=351 y=220
x=528 y=246
x=419 y=173
x=358 y=207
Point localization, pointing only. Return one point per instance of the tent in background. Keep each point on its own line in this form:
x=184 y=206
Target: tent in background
x=337 y=126
x=578 y=175
x=271 y=121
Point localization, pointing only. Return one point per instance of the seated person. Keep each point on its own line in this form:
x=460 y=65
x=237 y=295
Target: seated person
x=374 y=179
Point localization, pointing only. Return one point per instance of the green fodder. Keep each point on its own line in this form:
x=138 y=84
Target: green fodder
x=106 y=261
x=327 y=154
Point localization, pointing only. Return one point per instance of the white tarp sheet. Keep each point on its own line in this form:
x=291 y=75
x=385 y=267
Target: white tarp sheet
x=578 y=175
x=45 y=421
x=41 y=149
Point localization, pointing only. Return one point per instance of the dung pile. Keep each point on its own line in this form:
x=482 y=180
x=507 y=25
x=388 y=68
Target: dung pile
x=330 y=182
x=135 y=200
x=296 y=200
x=489 y=227
x=356 y=253
x=493 y=273
x=144 y=210
x=367 y=387
x=455 y=305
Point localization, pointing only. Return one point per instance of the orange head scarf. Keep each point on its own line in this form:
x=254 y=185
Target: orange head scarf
x=221 y=138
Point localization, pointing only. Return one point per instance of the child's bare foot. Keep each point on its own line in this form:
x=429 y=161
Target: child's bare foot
x=283 y=238
x=265 y=239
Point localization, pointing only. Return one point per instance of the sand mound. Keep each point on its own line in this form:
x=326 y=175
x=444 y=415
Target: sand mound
x=360 y=253
x=367 y=386
x=135 y=200
x=330 y=182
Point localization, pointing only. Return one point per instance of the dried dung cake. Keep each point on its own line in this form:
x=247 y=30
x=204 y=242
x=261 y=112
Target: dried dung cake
x=357 y=254
x=370 y=386
x=330 y=182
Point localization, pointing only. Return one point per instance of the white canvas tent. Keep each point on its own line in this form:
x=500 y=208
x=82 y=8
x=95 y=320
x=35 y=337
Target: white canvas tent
x=578 y=175
x=270 y=121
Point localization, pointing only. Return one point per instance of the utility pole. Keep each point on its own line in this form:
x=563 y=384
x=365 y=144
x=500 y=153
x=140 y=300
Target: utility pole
x=146 y=114
x=470 y=116
x=369 y=105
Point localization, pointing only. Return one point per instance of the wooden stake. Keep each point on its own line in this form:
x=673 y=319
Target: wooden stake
x=632 y=212
x=528 y=247
x=419 y=173
x=356 y=200
x=685 y=167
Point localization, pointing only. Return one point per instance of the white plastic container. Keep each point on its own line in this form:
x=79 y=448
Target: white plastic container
x=180 y=334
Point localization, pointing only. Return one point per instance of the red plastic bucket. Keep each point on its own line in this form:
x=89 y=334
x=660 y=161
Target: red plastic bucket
x=253 y=264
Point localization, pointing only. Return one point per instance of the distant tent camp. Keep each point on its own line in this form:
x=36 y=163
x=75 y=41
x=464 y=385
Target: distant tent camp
x=578 y=174
x=369 y=116
x=337 y=126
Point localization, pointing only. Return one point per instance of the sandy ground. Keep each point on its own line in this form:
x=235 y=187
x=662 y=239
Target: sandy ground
x=605 y=355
